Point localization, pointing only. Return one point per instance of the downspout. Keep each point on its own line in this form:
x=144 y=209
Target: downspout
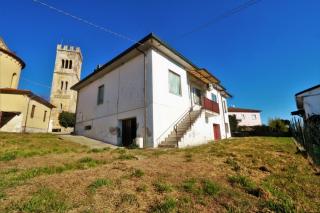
x=25 y=122
x=49 y=120
x=145 y=97
x=224 y=119
x=74 y=128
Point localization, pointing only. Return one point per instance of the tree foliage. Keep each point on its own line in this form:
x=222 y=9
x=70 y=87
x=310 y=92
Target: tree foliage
x=67 y=119
x=278 y=125
x=233 y=123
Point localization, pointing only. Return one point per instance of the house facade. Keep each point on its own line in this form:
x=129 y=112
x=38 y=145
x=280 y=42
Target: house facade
x=20 y=110
x=152 y=94
x=308 y=102
x=246 y=117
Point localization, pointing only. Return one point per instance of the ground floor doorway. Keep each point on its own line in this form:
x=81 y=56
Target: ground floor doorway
x=129 y=131
x=216 y=132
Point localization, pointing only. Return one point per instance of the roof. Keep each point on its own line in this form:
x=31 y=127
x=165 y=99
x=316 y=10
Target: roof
x=151 y=40
x=6 y=51
x=307 y=90
x=28 y=93
x=235 y=109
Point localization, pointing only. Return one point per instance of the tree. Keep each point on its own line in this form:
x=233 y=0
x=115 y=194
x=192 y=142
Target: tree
x=233 y=123
x=67 y=119
x=278 y=125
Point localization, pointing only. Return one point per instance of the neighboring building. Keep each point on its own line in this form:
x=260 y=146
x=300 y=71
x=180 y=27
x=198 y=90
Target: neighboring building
x=23 y=111
x=308 y=102
x=152 y=93
x=20 y=110
x=246 y=117
x=67 y=71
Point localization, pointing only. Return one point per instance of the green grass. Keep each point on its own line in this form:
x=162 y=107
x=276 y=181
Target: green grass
x=137 y=173
x=99 y=183
x=168 y=205
x=44 y=200
x=210 y=188
x=162 y=187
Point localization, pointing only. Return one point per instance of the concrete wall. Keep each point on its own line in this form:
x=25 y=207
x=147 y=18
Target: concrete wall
x=167 y=107
x=19 y=103
x=10 y=70
x=248 y=118
x=123 y=98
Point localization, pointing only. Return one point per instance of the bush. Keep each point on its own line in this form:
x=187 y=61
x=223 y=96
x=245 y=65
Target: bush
x=67 y=119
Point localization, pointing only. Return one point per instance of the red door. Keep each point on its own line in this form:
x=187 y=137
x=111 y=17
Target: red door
x=216 y=132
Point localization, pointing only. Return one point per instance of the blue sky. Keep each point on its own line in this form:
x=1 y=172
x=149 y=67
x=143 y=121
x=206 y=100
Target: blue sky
x=263 y=55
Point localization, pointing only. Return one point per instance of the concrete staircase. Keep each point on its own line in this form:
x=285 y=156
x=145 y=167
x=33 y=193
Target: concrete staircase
x=180 y=129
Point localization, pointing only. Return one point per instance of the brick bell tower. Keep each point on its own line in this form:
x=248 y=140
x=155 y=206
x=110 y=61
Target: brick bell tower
x=67 y=71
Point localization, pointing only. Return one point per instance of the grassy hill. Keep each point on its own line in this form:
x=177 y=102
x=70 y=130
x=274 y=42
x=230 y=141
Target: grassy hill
x=41 y=173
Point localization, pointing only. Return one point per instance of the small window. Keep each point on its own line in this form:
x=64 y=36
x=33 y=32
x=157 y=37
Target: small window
x=61 y=106
x=70 y=64
x=174 y=83
x=214 y=97
x=44 y=116
x=61 y=87
x=227 y=127
x=62 y=65
x=87 y=127
x=207 y=119
x=32 y=111
x=67 y=64
x=66 y=85
x=243 y=116
x=224 y=106
x=254 y=117
x=100 y=95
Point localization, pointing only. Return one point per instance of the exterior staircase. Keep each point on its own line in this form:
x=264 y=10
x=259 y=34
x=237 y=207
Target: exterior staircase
x=180 y=129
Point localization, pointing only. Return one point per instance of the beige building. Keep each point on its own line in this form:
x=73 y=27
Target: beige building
x=67 y=71
x=20 y=110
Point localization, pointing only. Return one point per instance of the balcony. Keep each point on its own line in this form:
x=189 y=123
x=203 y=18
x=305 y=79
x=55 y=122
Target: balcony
x=211 y=105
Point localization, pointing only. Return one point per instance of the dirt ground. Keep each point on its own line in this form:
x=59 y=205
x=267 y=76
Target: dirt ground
x=40 y=173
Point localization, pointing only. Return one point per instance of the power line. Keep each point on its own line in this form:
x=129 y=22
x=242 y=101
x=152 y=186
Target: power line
x=99 y=27
x=35 y=82
x=222 y=16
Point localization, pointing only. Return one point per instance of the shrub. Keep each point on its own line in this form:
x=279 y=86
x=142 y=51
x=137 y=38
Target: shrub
x=7 y=156
x=67 y=119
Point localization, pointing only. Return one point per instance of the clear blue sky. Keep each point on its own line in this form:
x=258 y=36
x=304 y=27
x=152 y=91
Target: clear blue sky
x=263 y=55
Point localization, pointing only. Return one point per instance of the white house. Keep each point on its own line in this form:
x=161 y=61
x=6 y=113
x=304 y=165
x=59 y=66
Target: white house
x=151 y=93
x=308 y=102
x=246 y=117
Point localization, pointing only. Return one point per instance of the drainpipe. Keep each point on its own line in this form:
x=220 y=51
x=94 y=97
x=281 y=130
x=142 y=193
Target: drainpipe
x=145 y=96
x=49 y=120
x=224 y=119
x=25 y=122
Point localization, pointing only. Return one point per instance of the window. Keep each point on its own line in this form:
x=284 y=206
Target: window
x=61 y=106
x=196 y=96
x=44 y=116
x=62 y=65
x=32 y=111
x=207 y=119
x=254 y=117
x=61 y=85
x=243 y=116
x=214 y=97
x=87 y=127
x=67 y=64
x=13 y=80
x=224 y=106
x=70 y=64
x=227 y=127
x=66 y=85
x=100 y=95
x=174 y=83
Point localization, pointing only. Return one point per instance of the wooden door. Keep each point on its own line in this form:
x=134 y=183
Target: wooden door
x=129 y=131
x=216 y=132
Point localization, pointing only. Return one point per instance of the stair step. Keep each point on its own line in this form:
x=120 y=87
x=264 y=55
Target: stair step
x=167 y=145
